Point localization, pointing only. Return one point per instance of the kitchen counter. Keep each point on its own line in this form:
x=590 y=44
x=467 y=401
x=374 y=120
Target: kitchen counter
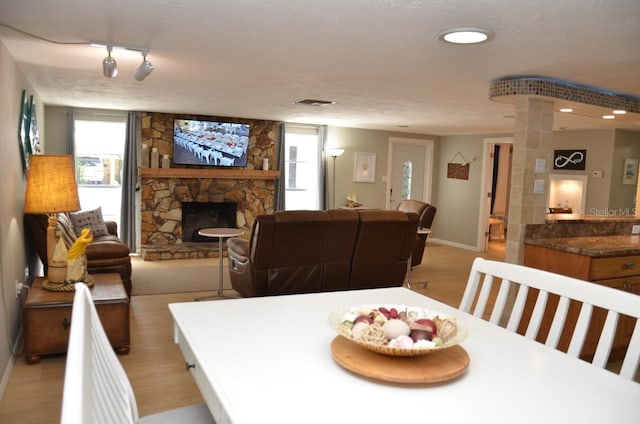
x=576 y=217
x=594 y=246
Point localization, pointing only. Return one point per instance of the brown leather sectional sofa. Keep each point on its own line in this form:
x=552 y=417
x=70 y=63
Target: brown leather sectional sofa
x=105 y=254
x=314 y=251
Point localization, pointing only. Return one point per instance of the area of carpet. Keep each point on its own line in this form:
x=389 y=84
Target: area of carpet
x=176 y=276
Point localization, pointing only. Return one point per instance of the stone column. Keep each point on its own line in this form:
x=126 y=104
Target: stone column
x=533 y=136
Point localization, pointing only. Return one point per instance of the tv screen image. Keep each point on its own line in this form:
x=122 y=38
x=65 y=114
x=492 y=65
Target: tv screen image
x=210 y=143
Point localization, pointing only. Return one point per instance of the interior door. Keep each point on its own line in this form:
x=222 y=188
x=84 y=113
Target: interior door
x=410 y=163
x=503 y=186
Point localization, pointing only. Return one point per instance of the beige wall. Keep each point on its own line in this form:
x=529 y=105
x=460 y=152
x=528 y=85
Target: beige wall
x=354 y=140
x=457 y=201
x=622 y=196
x=56 y=121
x=12 y=253
x=599 y=145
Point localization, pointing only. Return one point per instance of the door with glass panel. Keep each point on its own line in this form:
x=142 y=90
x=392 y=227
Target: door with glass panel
x=410 y=164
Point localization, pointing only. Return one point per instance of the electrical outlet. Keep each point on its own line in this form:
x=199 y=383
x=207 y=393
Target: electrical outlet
x=18 y=289
x=635 y=229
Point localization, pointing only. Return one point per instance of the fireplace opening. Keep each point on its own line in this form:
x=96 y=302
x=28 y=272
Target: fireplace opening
x=199 y=215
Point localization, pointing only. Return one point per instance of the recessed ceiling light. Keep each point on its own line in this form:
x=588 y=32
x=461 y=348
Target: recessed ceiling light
x=465 y=35
x=566 y=109
x=608 y=117
x=619 y=112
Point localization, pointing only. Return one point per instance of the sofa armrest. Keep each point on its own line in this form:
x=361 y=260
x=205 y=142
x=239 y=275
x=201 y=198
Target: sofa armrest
x=238 y=248
x=112 y=227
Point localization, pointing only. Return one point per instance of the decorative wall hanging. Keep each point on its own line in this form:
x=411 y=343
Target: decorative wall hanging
x=28 y=137
x=574 y=160
x=458 y=171
x=33 y=135
x=365 y=168
x=630 y=171
x=23 y=130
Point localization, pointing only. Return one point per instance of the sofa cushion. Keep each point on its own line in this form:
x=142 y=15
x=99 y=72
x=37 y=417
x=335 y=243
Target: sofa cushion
x=89 y=219
x=107 y=248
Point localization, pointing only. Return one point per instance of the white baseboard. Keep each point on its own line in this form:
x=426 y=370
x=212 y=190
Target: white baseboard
x=6 y=374
x=454 y=244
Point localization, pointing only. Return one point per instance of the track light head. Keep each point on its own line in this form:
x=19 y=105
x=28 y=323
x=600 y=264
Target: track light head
x=145 y=68
x=109 y=65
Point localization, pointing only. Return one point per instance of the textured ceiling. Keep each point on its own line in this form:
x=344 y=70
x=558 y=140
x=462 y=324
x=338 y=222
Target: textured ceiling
x=379 y=60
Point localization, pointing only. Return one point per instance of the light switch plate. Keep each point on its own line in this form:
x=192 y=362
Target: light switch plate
x=635 y=229
x=538 y=186
x=541 y=164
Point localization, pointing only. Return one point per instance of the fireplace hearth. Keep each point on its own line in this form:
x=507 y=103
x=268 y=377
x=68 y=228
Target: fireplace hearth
x=199 y=215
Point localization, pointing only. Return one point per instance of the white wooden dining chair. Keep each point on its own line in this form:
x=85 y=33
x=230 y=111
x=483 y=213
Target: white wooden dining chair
x=96 y=387
x=589 y=295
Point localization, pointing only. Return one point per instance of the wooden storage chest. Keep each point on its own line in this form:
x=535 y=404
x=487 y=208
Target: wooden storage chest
x=47 y=316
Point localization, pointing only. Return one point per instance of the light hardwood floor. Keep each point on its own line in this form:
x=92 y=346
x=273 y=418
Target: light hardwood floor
x=155 y=364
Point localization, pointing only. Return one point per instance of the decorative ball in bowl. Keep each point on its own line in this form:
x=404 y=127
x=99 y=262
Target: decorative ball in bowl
x=397 y=330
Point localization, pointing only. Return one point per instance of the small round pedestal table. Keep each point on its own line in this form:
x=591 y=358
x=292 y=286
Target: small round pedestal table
x=222 y=234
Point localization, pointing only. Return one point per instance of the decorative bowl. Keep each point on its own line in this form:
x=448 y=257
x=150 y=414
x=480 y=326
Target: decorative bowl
x=375 y=339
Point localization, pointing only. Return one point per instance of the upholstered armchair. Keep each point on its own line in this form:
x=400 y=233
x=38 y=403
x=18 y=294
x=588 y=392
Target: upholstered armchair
x=426 y=212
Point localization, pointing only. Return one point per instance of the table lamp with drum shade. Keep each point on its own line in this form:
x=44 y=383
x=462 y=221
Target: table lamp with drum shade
x=51 y=189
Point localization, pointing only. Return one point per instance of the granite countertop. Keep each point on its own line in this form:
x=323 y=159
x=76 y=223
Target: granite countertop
x=616 y=245
x=576 y=217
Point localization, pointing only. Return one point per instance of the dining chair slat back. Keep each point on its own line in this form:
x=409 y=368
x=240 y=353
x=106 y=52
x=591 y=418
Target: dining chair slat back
x=511 y=308
x=96 y=386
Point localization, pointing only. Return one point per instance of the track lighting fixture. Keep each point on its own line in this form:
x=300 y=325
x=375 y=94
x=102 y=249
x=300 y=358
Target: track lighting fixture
x=145 y=68
x=109 y=65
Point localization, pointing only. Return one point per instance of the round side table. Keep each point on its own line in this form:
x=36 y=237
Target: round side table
x=221 y=234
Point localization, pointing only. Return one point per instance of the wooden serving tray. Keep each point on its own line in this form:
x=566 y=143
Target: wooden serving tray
x=436 y=367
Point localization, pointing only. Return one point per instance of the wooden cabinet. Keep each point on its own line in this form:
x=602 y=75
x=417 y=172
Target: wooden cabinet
x=618 y=272
x=47 y=316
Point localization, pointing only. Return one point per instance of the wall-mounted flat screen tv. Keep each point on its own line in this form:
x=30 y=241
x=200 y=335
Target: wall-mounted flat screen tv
x=210 y=143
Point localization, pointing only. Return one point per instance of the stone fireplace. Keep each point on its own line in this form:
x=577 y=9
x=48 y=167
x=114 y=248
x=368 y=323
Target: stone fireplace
x=199 y=215
x=164 y=192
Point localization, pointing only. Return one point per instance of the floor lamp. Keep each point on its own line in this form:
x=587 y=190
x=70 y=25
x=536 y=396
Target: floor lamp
x=51 y=189
x=334 y=153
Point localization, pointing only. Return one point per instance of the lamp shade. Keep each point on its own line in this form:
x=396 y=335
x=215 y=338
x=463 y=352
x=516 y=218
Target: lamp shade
x=335 y=152
x=51 y=185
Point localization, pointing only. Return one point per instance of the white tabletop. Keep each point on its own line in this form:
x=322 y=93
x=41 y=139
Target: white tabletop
x=268 y=360
x=220 y=232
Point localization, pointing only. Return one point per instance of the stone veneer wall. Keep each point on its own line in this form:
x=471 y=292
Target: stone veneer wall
x=161 y=198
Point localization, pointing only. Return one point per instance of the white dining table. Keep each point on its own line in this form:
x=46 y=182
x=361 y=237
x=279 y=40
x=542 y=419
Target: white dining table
x=268 y=360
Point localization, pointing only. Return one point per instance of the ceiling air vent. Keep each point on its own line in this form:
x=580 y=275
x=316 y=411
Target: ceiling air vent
x=314 y=102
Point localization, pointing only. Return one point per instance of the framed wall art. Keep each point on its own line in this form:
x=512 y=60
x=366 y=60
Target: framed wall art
x=365 y=168
x=630 y=171
x=574 y=160
x=33 y=135
x=24 y=121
